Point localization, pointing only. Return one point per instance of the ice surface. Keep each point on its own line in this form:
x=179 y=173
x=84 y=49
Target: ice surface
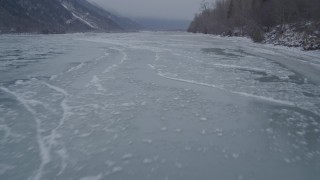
x=162 y=105
x=44 y=150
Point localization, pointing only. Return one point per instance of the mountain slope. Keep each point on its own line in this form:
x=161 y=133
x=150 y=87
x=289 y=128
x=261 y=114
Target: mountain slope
x=123 y=22
x=55 y=16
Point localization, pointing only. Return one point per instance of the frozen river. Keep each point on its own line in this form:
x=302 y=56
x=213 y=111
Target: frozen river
x=158 y=106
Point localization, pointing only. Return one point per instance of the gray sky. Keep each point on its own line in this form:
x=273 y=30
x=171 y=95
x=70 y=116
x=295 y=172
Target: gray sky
x=170 y=9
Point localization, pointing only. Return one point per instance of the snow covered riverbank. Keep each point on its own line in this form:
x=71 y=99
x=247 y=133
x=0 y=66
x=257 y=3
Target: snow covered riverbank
x=305 y=35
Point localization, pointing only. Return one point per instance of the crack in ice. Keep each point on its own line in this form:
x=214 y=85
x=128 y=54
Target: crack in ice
x=161 y=74
x=44 y=150
x=124 y=58
x=66 y=113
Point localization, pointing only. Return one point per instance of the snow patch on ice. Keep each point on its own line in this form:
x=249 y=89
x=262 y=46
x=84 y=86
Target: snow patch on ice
x=124 y=58
x=19 y=82
x=110 y=163
x=128 y=104
x=239 y=67
x=235 y=155
x=53 y=77
x=127 y=156
x=203 y=132
x=147 y=161
x=76 y=67
x=64 y=156
x=97 y=177
x=117 y=169
x=203 y=119
x=148 y=141
x=95 y=81
x=151 y=66
x=164 y=129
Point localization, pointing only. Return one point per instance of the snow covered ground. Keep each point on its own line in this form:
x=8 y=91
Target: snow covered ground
x=164 y=106
x=305 y=35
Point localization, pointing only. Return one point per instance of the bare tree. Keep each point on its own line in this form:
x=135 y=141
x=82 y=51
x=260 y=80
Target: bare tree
x=252 y=15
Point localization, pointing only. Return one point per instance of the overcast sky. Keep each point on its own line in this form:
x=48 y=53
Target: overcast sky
x=170 y=9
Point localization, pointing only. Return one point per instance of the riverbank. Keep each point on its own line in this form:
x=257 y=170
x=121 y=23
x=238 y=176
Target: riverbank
x=304 y=34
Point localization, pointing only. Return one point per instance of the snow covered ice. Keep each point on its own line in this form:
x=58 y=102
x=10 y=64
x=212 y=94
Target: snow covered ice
x=157 y=106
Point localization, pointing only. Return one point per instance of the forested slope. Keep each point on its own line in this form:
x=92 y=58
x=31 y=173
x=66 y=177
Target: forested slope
x=262 y=20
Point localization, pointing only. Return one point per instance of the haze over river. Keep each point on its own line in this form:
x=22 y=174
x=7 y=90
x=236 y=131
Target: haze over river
x=158 y=106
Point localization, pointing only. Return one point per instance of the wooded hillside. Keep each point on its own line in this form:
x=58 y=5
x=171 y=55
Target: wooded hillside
x=252 y=17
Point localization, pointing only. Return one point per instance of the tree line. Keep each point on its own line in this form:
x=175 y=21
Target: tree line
x=252 y=17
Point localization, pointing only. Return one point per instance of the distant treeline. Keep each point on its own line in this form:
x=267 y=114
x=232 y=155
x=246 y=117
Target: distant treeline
x=252 y=17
